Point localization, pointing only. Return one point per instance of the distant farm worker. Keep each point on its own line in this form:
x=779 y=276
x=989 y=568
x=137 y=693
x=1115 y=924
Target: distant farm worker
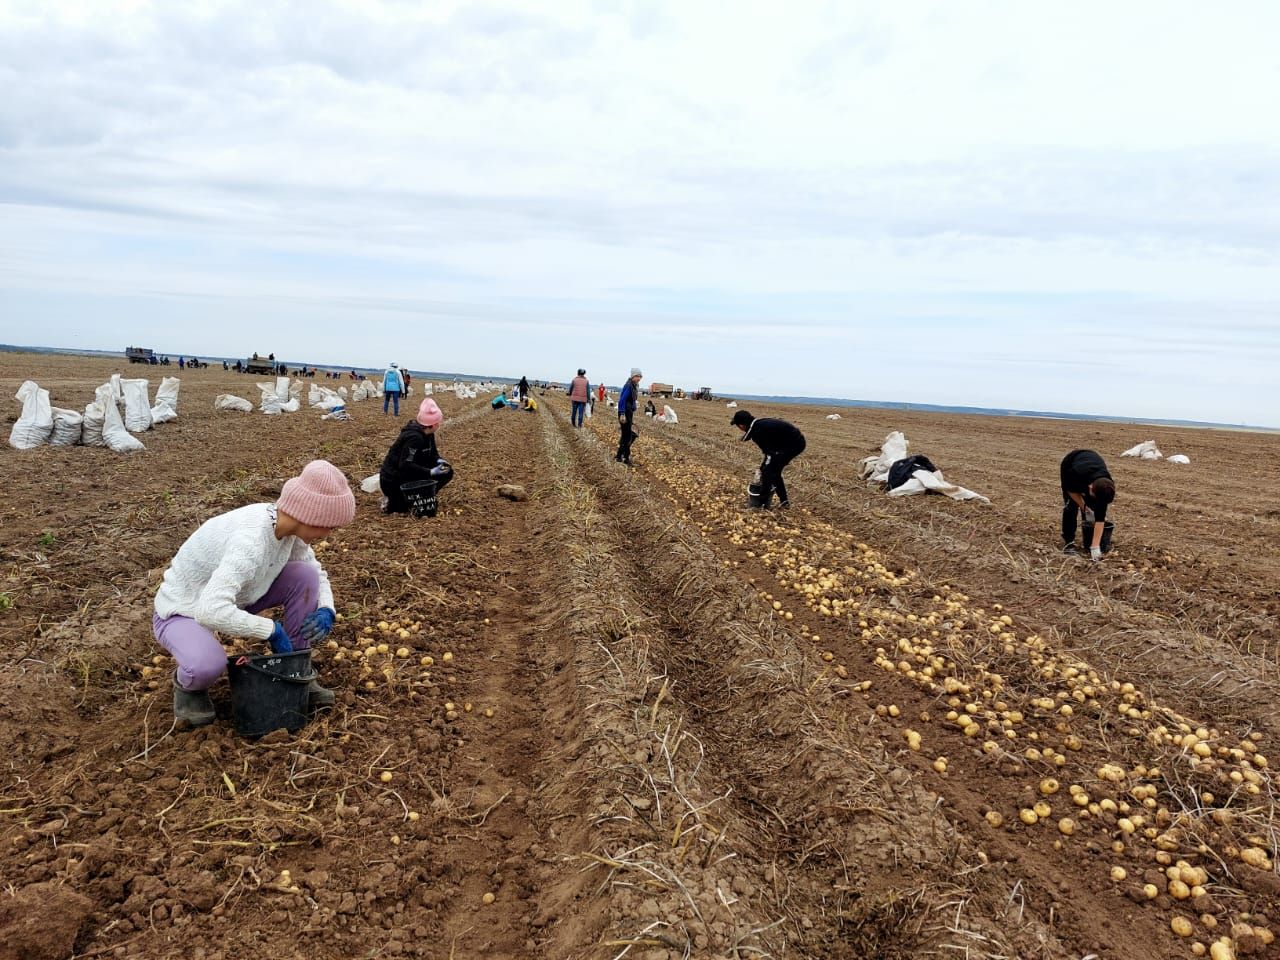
x=524 y=387
x=407 y=377
x=781 y=443
x=414 y=457
x=600 y=393
x=1087 y=489
x=392 y=388
x=241 y=563
x=627 y=402
x=579 y=396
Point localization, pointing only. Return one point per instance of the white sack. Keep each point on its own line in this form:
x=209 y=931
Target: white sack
x=342 y=392
x=270 y=401
x=925 y=481
x=282 y=388
x=114 y=433
x=371 y=484
x=291 y=406
x=117 y=388
x=1179 y=458
x=295 y=390
x=67 y=426
x=137 y=408
x=314 y=395
x=166 y=406
x=732 y=403
x=426 y=389
x=668 y=415
x=35 y=423
x=876 y=469
x=1147 y=450
x=95 y=417
x=225 y=401
x=833 y=416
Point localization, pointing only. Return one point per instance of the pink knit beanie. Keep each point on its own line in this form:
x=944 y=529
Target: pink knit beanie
x=319 y=496
x=429 y=414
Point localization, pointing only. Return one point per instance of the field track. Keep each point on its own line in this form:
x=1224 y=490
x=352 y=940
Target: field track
x=651 y=723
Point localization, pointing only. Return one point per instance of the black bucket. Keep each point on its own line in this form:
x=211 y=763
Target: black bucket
x=269 y=692
x=1108 y=528
x=421 y=497
x=755 y=495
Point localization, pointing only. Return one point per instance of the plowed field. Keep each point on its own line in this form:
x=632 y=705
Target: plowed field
x=649 y=722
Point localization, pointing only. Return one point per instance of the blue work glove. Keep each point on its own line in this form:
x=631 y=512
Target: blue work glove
x=279 y=640
x=317 y=626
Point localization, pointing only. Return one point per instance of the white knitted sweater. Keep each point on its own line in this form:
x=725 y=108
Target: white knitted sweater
x=227 y=564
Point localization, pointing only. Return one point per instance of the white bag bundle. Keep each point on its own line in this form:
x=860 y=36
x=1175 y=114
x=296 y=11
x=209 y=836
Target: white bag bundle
x=166 y=405
x=342 y=392
x=67 y=426
x=426 y=389
x=295 y=390
x=114 y=433
x=225 y=401
x=282 y=388
x=270 y=402
x=1147 y=450
x=876 y=469
x=137 y=408
x=95 y=417
x=290 y=406
x=833 y=416
x=669 y=415
x=372 y=484
x=35 y=423
x=1179 y=458
x=315 y=394
x=117 y=389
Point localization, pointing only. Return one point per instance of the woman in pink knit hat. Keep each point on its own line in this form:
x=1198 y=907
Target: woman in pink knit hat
x=243 y=562
x=414 y=457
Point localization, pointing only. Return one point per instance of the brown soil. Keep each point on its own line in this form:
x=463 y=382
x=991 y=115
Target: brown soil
x=700 y=741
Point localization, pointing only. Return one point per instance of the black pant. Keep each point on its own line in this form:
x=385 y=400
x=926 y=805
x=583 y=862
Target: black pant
x=626 y=435
x=771 y=475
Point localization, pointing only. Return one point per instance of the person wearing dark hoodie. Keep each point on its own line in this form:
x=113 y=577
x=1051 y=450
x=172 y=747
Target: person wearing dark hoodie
x=628 y=399
x=781 y=442
x=1087 y=490
x=412 y=457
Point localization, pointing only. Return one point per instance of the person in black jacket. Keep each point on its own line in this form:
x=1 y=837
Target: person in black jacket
x=1087 y=488
x=781 y=443
x=414 y=457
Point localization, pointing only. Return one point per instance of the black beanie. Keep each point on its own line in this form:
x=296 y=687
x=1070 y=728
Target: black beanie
x=742 y=419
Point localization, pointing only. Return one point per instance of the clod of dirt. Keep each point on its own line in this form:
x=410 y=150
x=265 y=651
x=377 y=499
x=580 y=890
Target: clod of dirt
x=513 y=491
x=41 y=922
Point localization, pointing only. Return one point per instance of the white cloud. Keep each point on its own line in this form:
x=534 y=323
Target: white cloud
x=770 y=199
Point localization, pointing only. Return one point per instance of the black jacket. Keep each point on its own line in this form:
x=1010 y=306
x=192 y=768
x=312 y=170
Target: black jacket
x=410 y=458
x=775 y=436
x=1079 y=469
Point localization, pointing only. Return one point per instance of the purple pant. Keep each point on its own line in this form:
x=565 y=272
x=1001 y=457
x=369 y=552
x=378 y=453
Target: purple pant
x=201 y=659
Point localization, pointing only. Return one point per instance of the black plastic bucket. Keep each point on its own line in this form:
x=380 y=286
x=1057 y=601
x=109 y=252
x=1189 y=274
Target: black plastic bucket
x=755 y=495
x=269 y=692
x=1108 y=528
x=421 y=497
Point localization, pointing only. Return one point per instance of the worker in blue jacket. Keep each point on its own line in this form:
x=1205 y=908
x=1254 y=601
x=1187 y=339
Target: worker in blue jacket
x=627 y=402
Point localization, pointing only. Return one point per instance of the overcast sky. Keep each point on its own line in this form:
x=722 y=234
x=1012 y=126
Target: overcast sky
x=1068 y=207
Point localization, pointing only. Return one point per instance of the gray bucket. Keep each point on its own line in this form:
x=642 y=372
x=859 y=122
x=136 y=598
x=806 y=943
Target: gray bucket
x=1108 y=528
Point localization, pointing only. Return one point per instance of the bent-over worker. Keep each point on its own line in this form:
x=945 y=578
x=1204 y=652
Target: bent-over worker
x=1087 y=489
x=781 y=442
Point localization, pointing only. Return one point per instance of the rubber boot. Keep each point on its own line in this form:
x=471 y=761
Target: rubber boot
x=319 y=697
x=192 y=706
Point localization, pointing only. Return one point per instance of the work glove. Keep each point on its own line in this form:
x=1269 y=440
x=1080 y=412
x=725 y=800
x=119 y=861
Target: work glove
x=1095 y=553
x=317 y=626
x=279 y=640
